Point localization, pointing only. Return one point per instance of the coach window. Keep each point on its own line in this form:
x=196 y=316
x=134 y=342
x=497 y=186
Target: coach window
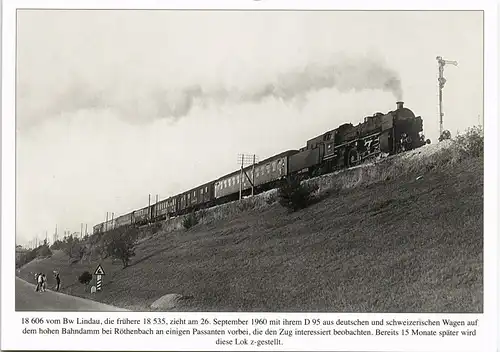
x=206 y=189
x=189 y=196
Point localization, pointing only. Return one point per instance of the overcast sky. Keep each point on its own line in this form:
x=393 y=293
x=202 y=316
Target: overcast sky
x=114 y=105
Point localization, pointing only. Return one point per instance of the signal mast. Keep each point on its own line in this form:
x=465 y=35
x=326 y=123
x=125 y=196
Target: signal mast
x=442 y=81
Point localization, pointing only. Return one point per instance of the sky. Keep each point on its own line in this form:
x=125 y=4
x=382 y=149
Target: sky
x=112 y=106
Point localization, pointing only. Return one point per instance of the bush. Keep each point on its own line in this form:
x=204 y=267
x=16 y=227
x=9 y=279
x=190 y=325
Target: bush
x=44 y=251
x=120 y=243
x=57 y=245
x=295 y=196
x=85 y=278
x=271 y=199
x=246 y=204
x=190 y=221
x=70 y=246
x=154 y=228
x=472 y=141
x=26 y=257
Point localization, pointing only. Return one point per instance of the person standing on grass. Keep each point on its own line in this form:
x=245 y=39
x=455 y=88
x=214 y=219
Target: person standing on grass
x=44 y=282
x=37 y=283
x=39 y=280
x=58 y=281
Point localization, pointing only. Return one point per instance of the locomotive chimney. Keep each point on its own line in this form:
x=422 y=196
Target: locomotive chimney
x=400 y=104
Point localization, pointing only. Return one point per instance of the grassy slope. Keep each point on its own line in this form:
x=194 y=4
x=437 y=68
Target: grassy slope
x=404 y=245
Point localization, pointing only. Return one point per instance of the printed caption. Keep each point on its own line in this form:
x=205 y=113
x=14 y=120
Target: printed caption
x=251 y=332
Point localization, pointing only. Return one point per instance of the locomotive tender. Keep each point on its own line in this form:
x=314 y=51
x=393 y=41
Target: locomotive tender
x=346 y=146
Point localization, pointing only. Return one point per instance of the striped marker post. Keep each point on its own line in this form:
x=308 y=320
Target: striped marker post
x=99 y=272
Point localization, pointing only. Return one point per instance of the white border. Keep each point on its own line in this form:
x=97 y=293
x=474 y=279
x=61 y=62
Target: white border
x=11 y=337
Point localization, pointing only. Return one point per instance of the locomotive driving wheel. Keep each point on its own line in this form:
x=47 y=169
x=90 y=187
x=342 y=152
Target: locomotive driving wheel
x=352 y=158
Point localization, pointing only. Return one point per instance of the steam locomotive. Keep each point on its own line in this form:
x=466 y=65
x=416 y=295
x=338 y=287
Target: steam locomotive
x=346 y=146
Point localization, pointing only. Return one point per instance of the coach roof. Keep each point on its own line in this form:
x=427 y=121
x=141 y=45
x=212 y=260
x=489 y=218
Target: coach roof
x=265 y=161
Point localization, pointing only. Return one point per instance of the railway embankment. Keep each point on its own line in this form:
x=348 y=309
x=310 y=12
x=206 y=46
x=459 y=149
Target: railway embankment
x=402 y=234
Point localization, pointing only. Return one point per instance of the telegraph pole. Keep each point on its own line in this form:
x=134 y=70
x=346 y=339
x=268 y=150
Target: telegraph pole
x=149 y=207
x=156 y=206
x=441 y=82
x=246 y=159
x=241 y=174
x=253 y=173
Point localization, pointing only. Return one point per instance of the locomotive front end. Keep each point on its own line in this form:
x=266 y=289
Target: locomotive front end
x=408 y=129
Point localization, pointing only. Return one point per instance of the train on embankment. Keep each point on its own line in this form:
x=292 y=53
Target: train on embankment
x=346 y=146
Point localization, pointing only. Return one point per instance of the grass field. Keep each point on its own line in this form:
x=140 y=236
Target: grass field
x=401 y=245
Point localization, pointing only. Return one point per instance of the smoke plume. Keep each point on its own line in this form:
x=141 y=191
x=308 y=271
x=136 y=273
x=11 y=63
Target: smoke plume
x=138 y=104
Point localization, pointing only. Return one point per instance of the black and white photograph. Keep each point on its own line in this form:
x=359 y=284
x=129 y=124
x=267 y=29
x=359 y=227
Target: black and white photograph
x=249 y=161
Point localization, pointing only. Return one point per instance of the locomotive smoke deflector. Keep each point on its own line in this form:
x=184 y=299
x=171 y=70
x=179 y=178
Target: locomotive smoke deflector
x=399 y=104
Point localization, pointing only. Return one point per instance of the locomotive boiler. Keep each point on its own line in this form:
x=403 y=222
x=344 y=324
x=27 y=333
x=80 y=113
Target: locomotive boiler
x=349 y=144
